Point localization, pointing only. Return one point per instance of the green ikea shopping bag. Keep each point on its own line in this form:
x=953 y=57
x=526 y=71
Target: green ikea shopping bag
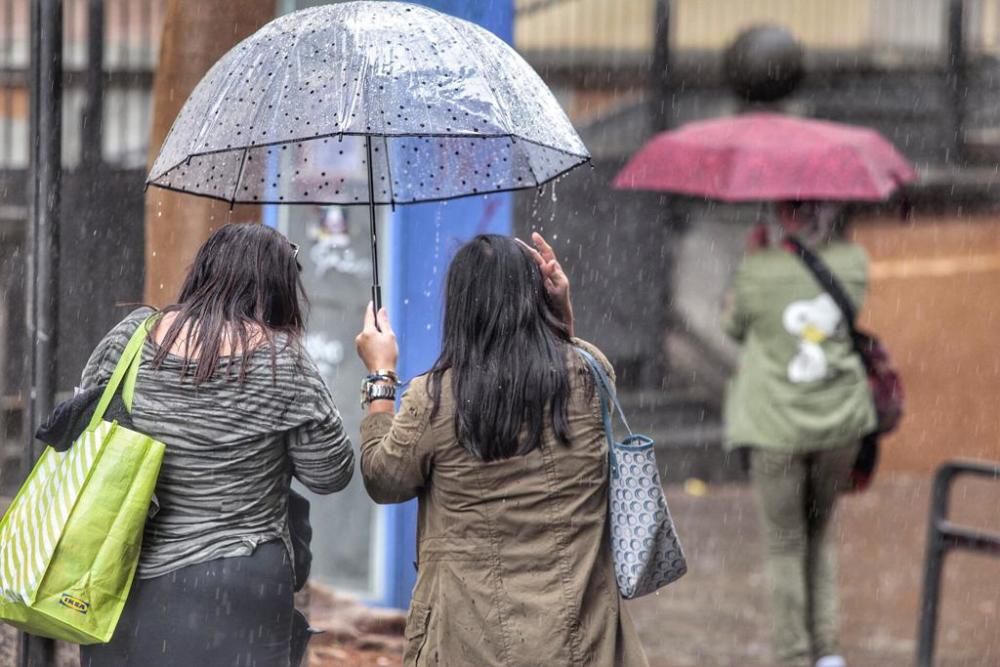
x=69 y=543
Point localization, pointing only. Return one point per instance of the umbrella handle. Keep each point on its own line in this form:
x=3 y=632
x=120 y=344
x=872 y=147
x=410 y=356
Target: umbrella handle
x=376 y=303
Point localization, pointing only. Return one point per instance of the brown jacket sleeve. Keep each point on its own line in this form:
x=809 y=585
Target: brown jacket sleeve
x=397 y=450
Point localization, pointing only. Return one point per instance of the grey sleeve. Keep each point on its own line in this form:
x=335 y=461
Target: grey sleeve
x=320 y=451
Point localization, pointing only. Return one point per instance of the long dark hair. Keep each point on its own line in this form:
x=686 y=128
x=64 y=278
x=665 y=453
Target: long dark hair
x=245 y=279
x=505 y=347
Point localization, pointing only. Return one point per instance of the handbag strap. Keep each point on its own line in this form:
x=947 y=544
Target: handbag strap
x=127 y=369
x=607 y=393
x=831 y=285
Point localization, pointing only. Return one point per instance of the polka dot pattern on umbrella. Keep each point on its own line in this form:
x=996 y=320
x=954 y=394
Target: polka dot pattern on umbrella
x=450 y=109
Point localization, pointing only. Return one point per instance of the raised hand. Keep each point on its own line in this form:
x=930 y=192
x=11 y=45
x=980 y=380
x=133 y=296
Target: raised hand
x=556 y=281
x=377 y=349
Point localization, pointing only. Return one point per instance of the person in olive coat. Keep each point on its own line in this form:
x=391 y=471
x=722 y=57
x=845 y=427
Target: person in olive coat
x=502 y=444
x=800 y=403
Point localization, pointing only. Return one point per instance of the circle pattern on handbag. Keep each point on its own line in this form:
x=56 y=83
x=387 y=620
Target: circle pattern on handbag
x=646 y=552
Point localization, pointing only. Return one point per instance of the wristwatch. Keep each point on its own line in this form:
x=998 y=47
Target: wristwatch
x=380 y=385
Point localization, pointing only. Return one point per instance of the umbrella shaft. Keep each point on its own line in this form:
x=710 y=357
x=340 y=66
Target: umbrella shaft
x=376 y=287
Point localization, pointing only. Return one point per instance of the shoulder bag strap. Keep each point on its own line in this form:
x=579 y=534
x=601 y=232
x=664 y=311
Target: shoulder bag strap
x=127 y=369
x=828 y=281
x=607 y=395
x=607 y=391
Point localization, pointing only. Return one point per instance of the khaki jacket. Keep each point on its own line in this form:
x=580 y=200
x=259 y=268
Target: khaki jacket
x=514 y=566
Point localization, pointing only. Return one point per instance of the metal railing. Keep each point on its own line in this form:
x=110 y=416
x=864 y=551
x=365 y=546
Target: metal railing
x=109 y=51
x=944 y=536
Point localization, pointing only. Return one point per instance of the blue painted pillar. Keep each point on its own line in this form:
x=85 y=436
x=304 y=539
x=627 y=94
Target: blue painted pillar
x=421 y=240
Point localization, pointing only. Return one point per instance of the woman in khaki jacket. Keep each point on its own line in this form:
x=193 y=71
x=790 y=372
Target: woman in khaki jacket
x=514 y=564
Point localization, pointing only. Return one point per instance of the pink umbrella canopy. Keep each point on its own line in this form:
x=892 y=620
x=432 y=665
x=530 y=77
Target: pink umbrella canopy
x=769 y=157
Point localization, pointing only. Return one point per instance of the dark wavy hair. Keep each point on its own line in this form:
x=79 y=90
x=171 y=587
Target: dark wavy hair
x=245 y=278
x=506 y=350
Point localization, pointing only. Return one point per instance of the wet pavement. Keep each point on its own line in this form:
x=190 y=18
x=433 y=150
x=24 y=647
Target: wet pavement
x=717 y=615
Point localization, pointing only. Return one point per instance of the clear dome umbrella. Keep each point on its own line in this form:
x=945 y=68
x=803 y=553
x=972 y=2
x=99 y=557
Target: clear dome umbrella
x=367 y=103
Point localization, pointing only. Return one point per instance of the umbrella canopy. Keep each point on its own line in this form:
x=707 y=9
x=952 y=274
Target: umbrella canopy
x=367 y=103
x=766 y=157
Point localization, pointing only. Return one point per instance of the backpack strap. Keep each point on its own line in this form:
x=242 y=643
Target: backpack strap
x=127 y=369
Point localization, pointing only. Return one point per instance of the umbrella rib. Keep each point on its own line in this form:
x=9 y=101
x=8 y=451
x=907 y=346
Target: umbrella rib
x=213 y=121
x=263 y=99
x=483 y=66
x=496 y=98
x=510 y=132
x=177 y=119
x=239 y=177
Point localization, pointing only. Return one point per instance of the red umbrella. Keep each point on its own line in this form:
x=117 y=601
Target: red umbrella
x=767 y=157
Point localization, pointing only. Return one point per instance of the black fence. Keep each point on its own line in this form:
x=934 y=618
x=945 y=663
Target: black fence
x=944 y=536
x=109 y=52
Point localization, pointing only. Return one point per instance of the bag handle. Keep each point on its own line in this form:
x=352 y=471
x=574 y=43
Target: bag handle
x=127 y=369
x=607 y=395
x=607 y=392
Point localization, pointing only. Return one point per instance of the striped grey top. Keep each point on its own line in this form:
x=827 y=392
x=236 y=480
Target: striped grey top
x=231 y=448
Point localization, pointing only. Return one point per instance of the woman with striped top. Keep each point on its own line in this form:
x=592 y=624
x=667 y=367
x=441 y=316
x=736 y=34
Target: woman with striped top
x=227 y=385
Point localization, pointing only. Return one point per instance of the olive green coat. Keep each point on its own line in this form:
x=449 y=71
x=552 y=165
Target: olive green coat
x=800 y=385
x=514 y=564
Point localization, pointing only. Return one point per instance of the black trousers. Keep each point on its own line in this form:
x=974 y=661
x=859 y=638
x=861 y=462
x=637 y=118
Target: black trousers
x=229 y=612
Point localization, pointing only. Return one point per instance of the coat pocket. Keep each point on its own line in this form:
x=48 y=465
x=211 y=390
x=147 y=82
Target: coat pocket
x=416 y=632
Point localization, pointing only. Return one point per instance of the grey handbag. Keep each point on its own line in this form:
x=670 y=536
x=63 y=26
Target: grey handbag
x=644 y=546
